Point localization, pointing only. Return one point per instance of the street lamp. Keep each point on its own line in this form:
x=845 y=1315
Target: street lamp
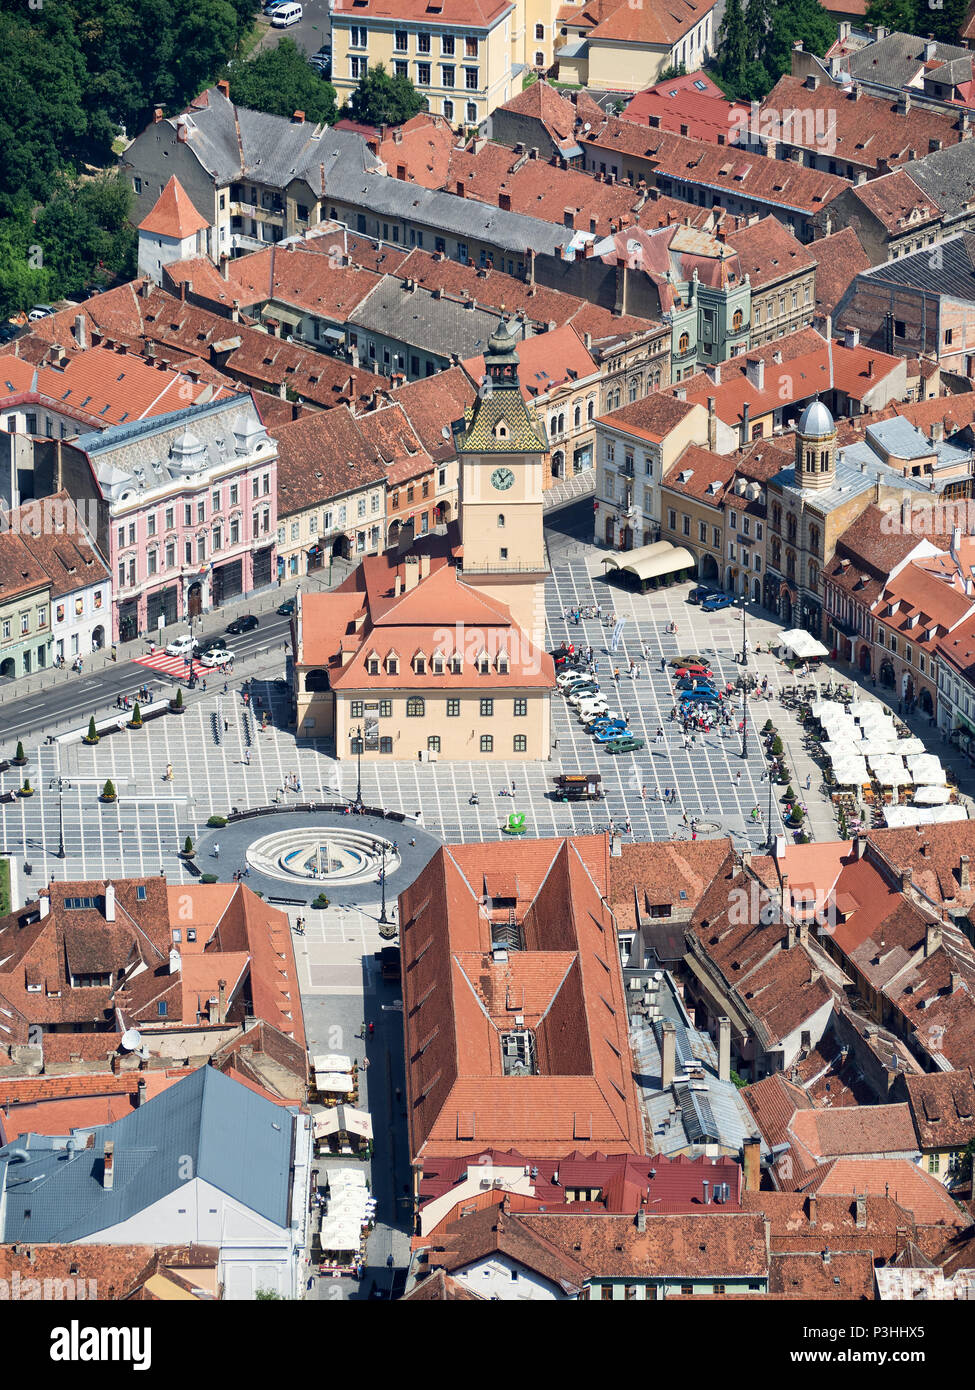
x=60 y=783
x=744 y=639
x=358 y=787
x=383 y=919
x=744 y=722
x=771 y=833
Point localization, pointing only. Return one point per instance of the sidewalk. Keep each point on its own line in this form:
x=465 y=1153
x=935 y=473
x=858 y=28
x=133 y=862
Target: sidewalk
x=209 y=623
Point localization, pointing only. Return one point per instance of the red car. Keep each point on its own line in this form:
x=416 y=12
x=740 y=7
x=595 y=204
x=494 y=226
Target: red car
x=697 y=673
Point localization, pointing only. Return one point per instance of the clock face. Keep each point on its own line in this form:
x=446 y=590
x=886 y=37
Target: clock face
x=502 y=478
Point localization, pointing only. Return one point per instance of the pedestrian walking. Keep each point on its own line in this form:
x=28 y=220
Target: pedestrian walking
x=226 y=726
x=808 y=780
x=247 y=757
x=643 y=793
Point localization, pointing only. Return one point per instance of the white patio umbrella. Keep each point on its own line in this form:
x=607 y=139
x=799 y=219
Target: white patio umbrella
x=927 y=770
x=931 y=796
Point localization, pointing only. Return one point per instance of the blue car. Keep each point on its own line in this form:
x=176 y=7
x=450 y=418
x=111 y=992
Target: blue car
x=715 y=602
x=605 y=721
x=615 y=730
x=699 y=697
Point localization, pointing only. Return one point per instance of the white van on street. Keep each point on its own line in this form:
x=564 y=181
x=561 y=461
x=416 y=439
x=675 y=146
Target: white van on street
x=286 y=15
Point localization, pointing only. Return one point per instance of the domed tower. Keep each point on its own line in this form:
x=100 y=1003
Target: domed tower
x=816 y=448
x=502 y=446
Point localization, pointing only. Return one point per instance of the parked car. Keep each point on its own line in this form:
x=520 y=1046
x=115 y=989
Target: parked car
x=566 y=660
x=287 y=608
x=699 y=593
x=597 y=706
x=696 y=673
x=601 y=721
x=629 y=744
x=245 y=624
x=568 y=679
x=611 y=732
x=695 y=660
x=212 y=644
x=715 y=602
x=580 y=693
x=699 y=697
x=181 y=646
x=696 y=683
x=217 y=657
x=40 y=311
x=578 y=786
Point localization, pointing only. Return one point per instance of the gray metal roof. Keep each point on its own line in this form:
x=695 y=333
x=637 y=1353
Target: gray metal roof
x=947 y=177
x=206 y=1126
x=419 y=319
x=234 y=142
x=146 y=454
x=459 y=217
x=896 y=60
x=948 y=267
x=852 y=478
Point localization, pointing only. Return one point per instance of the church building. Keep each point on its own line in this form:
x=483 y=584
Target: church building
x=437 y=650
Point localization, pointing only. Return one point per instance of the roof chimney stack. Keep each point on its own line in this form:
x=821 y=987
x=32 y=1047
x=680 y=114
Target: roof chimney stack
x=108 y=1166
x=668 y=1064
x=109 y=902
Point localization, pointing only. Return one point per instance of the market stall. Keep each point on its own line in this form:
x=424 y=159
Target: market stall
x=343 y=1129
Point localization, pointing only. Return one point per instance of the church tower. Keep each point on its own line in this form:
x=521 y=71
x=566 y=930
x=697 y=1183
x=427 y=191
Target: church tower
x=502 y=446
x=816 y=449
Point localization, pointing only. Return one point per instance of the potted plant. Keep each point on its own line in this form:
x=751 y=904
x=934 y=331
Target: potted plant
x=321 y=902
x=20 y=757
x=92 y=735
x=777 y=748
x=188 y=850
x=209 y=878
x=768 y=727
x=108 y=791
x=136 y=721
x=217 y=822
x=27 y=789
x=176 y=706
x=789 y=793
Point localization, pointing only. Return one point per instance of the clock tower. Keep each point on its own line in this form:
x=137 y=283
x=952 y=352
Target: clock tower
x=502 y=447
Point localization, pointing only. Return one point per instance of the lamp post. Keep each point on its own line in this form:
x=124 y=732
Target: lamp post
x=744 y=723
x=358 y=786
x=60 y=783
x=744 y=639
x=771 y=833
x=383 y=919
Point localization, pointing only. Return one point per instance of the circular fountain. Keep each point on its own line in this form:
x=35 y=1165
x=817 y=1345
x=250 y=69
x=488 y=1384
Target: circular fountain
x=331 y=856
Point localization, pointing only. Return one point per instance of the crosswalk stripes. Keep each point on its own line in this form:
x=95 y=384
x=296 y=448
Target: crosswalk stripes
x=174 y=666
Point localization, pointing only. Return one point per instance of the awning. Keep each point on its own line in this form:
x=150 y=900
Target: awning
x=340 y=1235
x=344 y=1119
x=653 y=561
x=290 y=317
x=802 y=644
x=331 y=1061
x=336 y=1083
x=927 y=770
x=336 y=334
x=931 y=796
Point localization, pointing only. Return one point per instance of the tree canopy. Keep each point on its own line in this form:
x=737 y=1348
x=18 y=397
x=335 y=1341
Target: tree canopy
x=278 y=80
x=944 y=21
x=754 y=44
x=383 y=100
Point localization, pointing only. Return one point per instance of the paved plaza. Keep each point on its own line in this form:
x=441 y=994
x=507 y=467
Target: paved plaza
x=222 y=758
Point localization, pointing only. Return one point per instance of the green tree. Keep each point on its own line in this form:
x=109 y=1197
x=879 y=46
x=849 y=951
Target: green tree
x=85 y=228
x=108 y=791
x=188 y=846
x=92 y=734
x=278 y=80
x=670 y=73
x=792 y=20
x=732 y=46
x=758 y=24
x=383 y=100
x=901 y=16
x=43 y=124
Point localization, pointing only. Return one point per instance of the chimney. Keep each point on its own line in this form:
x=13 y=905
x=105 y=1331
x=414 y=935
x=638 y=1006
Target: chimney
x=504 y=202
x=955 y=541
x=745 y=423
x=460 y=188
x=929 y=50
x=964 y=873
x=860 y=846
x=712 y=425
x=932 y=939
x=81 y=331
x=533 y=152
x=755 y=372
x=812 y=1209
x=907 y=879
x=221 y=1001
x=851 y=337
x=668 y=1064
x=44 y=903
x=681 y=393
x=706 y=1192
x=861 y=1202
x=641 y=1219
x=109 y=902
x=140 y=1097
x=751 y=1162
x=157 y=115
x=903 y=103
x=108 y=1166
x=724 y=1048
x=811 y=82
x=224 y=87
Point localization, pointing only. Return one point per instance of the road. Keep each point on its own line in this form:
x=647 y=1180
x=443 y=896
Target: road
x=74 y=699
x=314 y=30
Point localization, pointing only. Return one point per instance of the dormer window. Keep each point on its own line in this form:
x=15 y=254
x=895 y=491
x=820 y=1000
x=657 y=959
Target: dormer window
x=419 y=664
x=372 y=664
x=392 y=664
x=436 y=664
x=483 y=663
x=456 y=664
x=502 y=663
x=501 y=430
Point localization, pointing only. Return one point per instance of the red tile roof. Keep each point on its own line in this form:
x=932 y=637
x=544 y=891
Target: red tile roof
x=545 y=361
x=919 y=1193
x=173 y=215
x=682 y=107
x=839 y=259
x=566 y=984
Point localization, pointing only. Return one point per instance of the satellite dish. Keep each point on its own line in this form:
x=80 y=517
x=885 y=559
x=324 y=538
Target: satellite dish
x=588 y=125
x=131 y=1039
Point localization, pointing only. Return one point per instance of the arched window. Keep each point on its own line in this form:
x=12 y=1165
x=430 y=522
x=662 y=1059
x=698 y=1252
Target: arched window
x=777 y=517
x=316 y=680
x=561 y=424
x=791 y=528
x=416 y=707
x=590 y=410
x=634 y=389
x=736 y=321
x=776 y=552
x=577 y=416
x=824 y=461
x=501 y=520
x=813 y=575
x=684 y=343
x=814 y=539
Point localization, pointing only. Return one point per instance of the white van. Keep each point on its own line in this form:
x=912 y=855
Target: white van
x=286 y=15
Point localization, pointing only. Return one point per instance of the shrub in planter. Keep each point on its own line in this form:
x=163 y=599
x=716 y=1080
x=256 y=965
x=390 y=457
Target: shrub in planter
x=92 y=735
x=217 y=822
x=108 y=791
x=209 y=878
x=136 y=721
x=188 y=850
x=777 y=748
x=20 y=757
x=177 y=705
x=27 y=789
x=768 y=727
x=321 y=902
x=804 y=838
x=789 y=793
